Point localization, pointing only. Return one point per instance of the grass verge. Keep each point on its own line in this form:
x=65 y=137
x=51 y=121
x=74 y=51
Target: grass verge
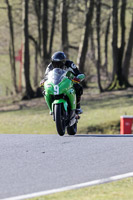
x=119 y=190
x=101 y=115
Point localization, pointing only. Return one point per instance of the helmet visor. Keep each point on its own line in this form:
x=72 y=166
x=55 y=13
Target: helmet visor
x=58 y=64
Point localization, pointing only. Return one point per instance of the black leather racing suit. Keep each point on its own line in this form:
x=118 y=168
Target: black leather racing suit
x=69 y=66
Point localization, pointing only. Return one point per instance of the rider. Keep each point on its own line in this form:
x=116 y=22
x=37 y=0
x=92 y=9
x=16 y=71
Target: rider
x=58 y=60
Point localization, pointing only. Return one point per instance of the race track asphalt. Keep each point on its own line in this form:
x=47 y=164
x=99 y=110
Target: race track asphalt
x=33 y=163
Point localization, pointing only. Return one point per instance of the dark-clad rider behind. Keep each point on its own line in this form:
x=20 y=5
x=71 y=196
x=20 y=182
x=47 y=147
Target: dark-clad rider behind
x=59 y=60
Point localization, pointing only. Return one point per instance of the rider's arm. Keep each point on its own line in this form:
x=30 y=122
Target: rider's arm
x=69 y=64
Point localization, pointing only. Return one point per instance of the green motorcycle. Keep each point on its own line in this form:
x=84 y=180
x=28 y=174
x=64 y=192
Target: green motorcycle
x=60 y=97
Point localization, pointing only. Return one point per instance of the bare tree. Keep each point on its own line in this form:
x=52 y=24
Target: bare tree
x=118 y=80
x=128 y=54
x=45 y=32
x=64 y=26
x=36 y=60
x=29 y=92
x=115 y=37
x=121 y=48
x=84 y=40
x=53 y=26
x=106 y=45
x=98 y=22
x=38 y=12
x=12 y=47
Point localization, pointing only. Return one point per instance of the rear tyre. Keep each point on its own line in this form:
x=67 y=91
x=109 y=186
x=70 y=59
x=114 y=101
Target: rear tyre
x=72 y=130
x=60 y=119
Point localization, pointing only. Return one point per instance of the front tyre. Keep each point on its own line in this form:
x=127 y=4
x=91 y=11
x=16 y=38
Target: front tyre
x=72 y=130
x=59 y=119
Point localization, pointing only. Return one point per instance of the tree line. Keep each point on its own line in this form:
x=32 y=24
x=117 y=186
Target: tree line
x=97 y=34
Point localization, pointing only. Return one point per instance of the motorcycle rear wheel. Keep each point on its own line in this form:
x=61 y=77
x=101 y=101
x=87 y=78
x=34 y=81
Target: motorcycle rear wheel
x=59 y=119
x=72 y=130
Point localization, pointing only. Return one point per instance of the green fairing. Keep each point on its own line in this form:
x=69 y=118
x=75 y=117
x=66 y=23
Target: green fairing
x=72 y=98
x=60 y=101
x=48 y=101
x=63 y=86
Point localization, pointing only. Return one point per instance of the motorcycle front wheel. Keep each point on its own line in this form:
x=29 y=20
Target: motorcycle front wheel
x=72 y=130
x=60 y=119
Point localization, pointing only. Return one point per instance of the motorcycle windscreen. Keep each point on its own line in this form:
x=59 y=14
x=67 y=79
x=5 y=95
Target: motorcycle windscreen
x=56 y=75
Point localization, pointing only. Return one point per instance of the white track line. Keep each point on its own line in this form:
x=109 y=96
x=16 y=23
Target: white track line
x=72 y=187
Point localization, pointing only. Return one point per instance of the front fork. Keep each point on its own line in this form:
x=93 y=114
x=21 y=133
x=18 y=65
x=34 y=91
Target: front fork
x=60 y=101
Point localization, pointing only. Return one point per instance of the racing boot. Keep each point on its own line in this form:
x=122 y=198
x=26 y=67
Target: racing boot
x=78 y=109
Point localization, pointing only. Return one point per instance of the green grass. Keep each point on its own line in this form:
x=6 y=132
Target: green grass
x=120 y=190
x=103 y=112
x=101 y=115
x=35 y=121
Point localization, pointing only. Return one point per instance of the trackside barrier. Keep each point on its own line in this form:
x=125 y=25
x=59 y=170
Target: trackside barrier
x=126 y=124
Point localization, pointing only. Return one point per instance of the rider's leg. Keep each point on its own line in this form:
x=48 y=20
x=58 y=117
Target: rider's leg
x=78 y=108
x=79 y=92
